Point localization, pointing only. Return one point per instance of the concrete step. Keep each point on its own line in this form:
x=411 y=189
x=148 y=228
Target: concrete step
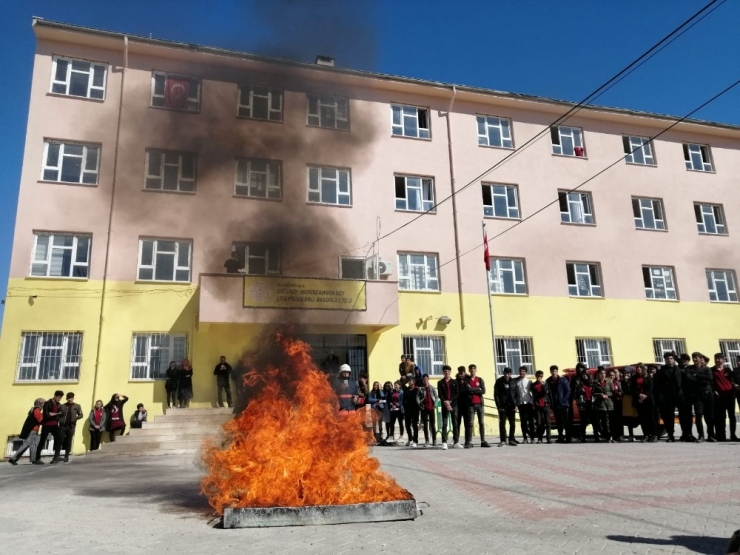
x=143 y=453
x=185 y=413
x=170 y=427
x=199 y=431
x=134 y=439
x=164 y=446
x=214 y=418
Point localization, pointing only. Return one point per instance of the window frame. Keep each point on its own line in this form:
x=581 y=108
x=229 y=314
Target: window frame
x=667 y=274
x=64 y=363
x=500 y=281
x=492 y=193
x=272 y=93
x=718 y=213
x=421 y=188
x=524 y=346
x=146 y=364
x=176 y=255
x=162 y=153
x=437 y=359
x=194 y=102
x=704 y=151
x=487 y=123
x=320 y=101
x=631 y=148
x=712 y=285
x=569 y=214
x=638 y=207
x=730 y=348
x=272 y=251
x=408 y=278
x=677 y=346
x=49 y=255
x=403 y=116
x=270 y=167
x=68 y=78
x=559 y=144
x=60 y=162
x=605 y=358
x=590 y=275
x=319 y=189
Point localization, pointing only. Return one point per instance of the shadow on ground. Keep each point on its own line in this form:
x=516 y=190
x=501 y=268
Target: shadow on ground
x=698 y=544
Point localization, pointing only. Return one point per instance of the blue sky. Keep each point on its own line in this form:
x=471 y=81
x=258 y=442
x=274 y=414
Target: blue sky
x=561 y=49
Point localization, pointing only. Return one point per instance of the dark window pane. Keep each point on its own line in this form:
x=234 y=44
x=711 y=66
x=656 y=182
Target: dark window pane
x=83 y=244
x=400 y=187
x=260 y=108
x=52 y=155
x=78 y=84
x=555 y=135
x=98 y=76
x=646 y=277
x=91 y=159
x=61 y=73
x=571 y=274
x=563 y=201
x=71 y=169
x=147 y=247
x=487 y=197
x=165 y=267
x=626 y=145
x=636 y=208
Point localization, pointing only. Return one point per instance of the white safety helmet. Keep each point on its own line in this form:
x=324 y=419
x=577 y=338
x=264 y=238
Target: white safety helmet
x=345 y=368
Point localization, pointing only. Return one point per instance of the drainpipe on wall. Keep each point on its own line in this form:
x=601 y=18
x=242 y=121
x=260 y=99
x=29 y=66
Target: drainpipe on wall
x=454 y=212
x=110 y=221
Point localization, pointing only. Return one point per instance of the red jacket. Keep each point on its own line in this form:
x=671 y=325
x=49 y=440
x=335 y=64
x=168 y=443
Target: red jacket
x=722 y=382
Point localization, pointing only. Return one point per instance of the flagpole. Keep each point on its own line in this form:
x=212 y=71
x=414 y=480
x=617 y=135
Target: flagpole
x=487 y=260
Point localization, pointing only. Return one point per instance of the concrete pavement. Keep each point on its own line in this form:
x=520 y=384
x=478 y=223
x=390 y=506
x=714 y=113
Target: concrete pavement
x=592 y=498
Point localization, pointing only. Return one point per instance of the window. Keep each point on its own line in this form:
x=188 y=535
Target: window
x=329 y=186
x=500 y=201
x=663 y=346
x=170 y=171
x=257 y=102
x=258 y=259
x=659 y=282
x=410 y=121
x=151 y=354
x=329 y=112
x=722 y=286
x=583 y=279
x=638 y=150
x=594 y=352
x=259 y=179
x=164 y=260
x=514 y=352
x=417 y=272
x=710 y=218
x=731 y=350
x=648 y=213
x=697 y=157
x=567 y=141
x=49 y=357
x=78 y=78
x=353 y=267
x=576 y=208
x=427 y=351
x=71 y=163
x=56 y=255
x=507 y=276
x=175 y=92
x=494 y=131
x=414 y=193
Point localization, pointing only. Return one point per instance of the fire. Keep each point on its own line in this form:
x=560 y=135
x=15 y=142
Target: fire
x=290 y=447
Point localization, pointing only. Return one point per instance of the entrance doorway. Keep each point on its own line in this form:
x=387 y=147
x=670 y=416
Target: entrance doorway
x=330 y=351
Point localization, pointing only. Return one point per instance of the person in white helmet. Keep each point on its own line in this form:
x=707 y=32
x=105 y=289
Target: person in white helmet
x=345 y=389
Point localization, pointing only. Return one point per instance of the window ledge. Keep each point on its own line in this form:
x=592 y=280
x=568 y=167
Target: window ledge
x=591 y=298
x=714 y=234
x=44 y=382
x=146 y=380
x=191 y=193
x=419 y=291
x=701 y=171
x=570 y=156
x=502 y=218
x=60 y=95
x=663 y=300
x=510 y=294
x=641 y=165
x=394 y=136
x=259 y=198
x=327 y=128
x=70 y=183
x=725 y=302
x=497 y=147
x=57 y=278
x=578 y=225
x=650 y=229
x=313 y=203
x=175 y=109
x=247 y=118
x=427 y=212
x=160 y=282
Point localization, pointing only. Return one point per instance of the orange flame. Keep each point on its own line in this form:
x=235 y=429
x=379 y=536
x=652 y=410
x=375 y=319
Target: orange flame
x=290 y=447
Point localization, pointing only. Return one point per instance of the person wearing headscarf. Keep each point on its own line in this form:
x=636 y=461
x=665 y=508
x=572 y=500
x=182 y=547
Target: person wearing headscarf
x=114 y=415
x=185 y=384
x=30 y=434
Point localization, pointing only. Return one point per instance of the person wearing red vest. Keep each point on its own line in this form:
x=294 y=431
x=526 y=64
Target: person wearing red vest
x=30 y=434
x=724 y=400
x=50 y=426
x=476 y=388
x=428 y=413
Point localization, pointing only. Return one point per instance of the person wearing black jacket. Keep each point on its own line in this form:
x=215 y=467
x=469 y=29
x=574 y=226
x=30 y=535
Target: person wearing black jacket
x=476 y=389
x=222 y=371
x=505 y=399
x=172 y=384
x=463 y=402
x=71 y=413
x=668 y=392
x=603 y=405
x=449 y=393
x=560 y=402
x=699 y=394
x=643 y=400
x=413 y=399
x=541 y=403
x=50 y=426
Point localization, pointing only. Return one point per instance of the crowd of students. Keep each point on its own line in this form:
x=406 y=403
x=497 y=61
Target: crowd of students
x=59 y=420
x=646 y=396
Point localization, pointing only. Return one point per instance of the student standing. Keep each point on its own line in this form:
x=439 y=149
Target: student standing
x=603 y=406
x=428 y=412
x=583 y=395
x=685 y=402
x=668 y=392
x=222 y=371
x=52 y=413
x=71 y=413
x=504 y=395
x=541 y=402
x=476 y=390
x=172 y=385
x=114 y=415
x=463 y=403
x=449 y=394
x=523 y=394
x=413 y=398
x=559 y=402
x=185 y=384
x=644 y=401
x=396 y=411
x=724 y=400
x=97 y=421
x=616 y=422
x=699 y=381
x=30 y=434
x=376 y=400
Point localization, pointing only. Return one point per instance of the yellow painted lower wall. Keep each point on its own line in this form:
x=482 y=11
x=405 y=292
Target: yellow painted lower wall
x=552 y=323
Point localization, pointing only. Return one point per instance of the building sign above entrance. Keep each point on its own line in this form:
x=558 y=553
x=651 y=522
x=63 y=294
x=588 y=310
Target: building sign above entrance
x=306 y=293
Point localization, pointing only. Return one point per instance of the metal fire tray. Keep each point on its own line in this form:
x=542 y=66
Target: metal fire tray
x=263 y=517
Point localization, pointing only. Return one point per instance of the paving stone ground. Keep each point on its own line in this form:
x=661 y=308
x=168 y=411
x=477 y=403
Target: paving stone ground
x=593 y=498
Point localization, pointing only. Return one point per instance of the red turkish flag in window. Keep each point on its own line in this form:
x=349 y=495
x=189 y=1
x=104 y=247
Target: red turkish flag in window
x=176 y=93
x=486 y=254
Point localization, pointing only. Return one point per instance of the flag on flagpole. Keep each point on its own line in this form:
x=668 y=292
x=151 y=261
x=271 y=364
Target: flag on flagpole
x=486 y=254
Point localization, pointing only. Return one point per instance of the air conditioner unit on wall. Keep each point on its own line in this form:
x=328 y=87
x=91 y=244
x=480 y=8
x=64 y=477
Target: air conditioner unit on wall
x=385 y=268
